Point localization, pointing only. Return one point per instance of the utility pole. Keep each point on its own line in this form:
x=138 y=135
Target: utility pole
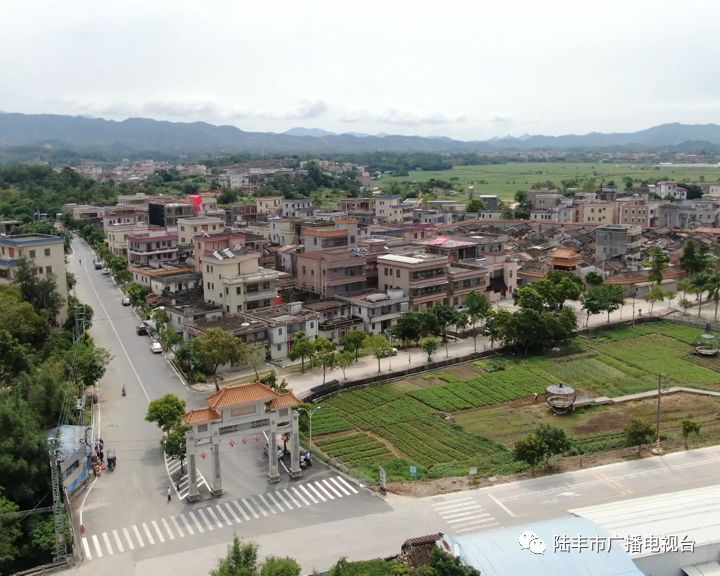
x=658 y=449
x=57 y=508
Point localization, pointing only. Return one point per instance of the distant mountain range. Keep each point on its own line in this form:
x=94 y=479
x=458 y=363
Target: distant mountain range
x=146 y=135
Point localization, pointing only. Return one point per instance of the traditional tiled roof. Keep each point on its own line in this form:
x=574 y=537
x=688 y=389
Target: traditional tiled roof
x=201 y=416
x=244 y=394
x=287 y=400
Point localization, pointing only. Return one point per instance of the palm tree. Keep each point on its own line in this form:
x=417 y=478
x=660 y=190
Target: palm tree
x=713 y=288
x=700 y=284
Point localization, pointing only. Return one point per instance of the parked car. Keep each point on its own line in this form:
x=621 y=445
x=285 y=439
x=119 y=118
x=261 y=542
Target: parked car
x=141 y=330
x=98 y=265
x=156 y=347
x=126 y=301
x=105 y=271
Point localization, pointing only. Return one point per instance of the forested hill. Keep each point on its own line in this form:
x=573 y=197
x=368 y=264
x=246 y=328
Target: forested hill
x=142 y=134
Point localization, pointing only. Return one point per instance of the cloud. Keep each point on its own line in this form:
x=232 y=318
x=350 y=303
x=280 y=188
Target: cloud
x=196 y=109
x=501 y=118
x=401 y=117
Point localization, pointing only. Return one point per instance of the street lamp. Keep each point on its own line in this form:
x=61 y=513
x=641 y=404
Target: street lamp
x=310 y=414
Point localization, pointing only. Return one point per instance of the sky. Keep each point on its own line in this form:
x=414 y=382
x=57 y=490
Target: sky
x=471 y=70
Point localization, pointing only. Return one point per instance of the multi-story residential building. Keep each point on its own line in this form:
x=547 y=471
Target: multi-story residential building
x=241 y=214
x=617 y=240
x=357 y=204
x=123 y=215
x=378 y=310
x=45 y=253
x=137 y=199
x=166 y=214
x=9 y=226
x=387 y=208
x=282 y=232
x=167 y=279
x=336 y=319
x=220 y=241
x=423 y=277
x=697 y=213
x=284 y=323
x=595 y=212
x=269 y=205
x=116 y=237
x=200 y=225
x=234 y=280
x=334 y=272
x=669 y=189
x=84 y=211
x=490 y=202
x=636 y=211
x=324 y=238
x=463 y=280
x=428 y=216
x=152 y=248
x=297 y=208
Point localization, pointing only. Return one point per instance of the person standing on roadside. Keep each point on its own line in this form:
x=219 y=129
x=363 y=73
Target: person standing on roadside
x=169 y=494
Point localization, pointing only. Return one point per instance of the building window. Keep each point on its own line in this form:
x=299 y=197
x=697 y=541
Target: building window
x=47 y=251
x=397 y=273
x=32 y=253
x=202 y=427
x=279 y=347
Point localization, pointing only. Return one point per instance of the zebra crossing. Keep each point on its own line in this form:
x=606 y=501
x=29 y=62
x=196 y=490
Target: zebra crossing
x=464 y=514
x=181 y=482
x=207 y=518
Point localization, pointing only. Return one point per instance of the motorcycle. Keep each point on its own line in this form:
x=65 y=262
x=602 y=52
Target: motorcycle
x=124 y=391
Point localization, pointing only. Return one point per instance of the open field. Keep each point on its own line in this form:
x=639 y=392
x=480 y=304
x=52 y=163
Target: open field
x=506 y=179
x=446 y=421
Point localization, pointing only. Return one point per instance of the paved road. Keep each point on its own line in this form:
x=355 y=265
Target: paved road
x=126 y=511
x=318 y=541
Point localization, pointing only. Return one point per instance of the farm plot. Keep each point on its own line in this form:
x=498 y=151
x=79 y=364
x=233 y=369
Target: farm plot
x=357 y=450
x=656 y=354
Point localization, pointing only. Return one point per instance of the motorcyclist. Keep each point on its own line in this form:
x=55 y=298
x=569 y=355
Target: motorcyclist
x=124 y=391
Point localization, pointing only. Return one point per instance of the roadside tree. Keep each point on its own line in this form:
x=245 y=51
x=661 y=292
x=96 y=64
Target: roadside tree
x=430 y=345
x=638 y=433
x=554 y=439
x=324 y=354
x=531 y=450
x=478 y=308
x=301 y=348
x=174 y=444
x=657 y=263
x=166 y=412
x=252 y=355
x=344 y=360
x=689 y=428
x=354 y=342
x=378 y=346
x=213 y=349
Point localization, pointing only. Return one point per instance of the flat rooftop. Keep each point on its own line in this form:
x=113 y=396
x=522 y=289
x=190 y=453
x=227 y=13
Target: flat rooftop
x=30 y=239
x=414 y=259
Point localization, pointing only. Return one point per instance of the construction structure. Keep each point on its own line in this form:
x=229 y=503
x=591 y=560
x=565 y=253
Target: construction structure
x=238 y=410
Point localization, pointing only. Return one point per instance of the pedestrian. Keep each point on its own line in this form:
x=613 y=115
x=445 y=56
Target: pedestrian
x=169 y=494
x=535 y=394
x=101 y=456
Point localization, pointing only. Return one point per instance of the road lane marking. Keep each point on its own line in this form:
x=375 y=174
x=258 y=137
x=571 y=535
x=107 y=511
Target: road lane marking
x=474 y=528
x=222 y=513
x=452 y=503
x=128 y=539
x=307 y=491
x=204 y=519
x=137 y=535
x=232 y=512
x=269 y=507
x=249 y=507
x=167 y=529
x=322 y=488
x=118 y=542
x=340 y=486
x=469 y=511
x=605 y=479
x=285 y=501
x=157 y=531
x=106 y=539
x=464 y=518
x=330 y=487
x=275 y=501
x=112 y=325
x=348 y=484
x=96 y=543
x=297 y=493
x=291 y=497
x=501 y=505
x=148 y=535
x=197 y=524
x=86 y=548
x=242 y=510
x=177 y=526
